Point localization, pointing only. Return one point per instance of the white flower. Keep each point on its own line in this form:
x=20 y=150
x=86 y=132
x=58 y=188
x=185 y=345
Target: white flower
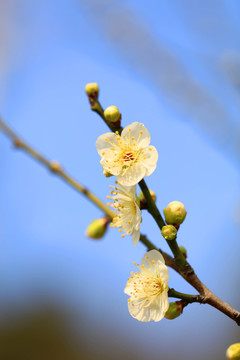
x=128 y=213
x=148 y=288
x=128 y=156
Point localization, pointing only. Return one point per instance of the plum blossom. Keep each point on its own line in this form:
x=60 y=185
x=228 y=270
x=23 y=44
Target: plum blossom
x=148 y=288
x=128 y=214
x=128 y=156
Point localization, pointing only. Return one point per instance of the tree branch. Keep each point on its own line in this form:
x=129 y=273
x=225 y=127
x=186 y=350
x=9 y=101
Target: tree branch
x=179 y=263
x=54 y=167
x=187 y=272
x=153 y=210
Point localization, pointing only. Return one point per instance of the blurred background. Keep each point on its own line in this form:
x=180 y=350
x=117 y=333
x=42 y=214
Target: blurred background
x=173 y=65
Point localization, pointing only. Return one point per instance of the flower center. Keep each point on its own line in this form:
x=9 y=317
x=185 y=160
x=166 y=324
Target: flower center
x=146 y=285
x=128 y=156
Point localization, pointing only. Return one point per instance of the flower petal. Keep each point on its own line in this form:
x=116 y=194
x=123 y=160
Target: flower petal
x=133 y=175
x=102 y=144
x=164 y=274
x=135 y=237
x=150 y=162
x=143 y=139
x=150 y=256
x=138 y=218
x=109 y=164
x=143 y=311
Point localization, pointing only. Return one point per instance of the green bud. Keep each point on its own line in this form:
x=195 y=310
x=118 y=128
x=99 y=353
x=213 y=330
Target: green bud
x=175 y=213
x=183 y=251
x=92 y=89
x=175 y=310
x=233 y=352
x=112 y=114
x=142 y=197
x=169 y=232
x=97 y=228
x=107 y=174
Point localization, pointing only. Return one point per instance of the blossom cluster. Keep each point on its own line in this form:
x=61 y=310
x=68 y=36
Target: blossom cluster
x=130 y=157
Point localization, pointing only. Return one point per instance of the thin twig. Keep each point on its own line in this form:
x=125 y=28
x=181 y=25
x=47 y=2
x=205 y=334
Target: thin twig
x=57 y=169
x=153 y=210
x=54 y=167
x=189 y=298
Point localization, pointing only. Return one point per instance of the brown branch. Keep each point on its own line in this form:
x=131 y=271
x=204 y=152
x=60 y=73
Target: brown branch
x=179 y=263
x=54 y=167
x=206 y=296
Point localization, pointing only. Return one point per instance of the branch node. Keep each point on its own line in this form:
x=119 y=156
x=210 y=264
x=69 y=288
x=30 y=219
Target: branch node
x=55 y=166
x=17 y=143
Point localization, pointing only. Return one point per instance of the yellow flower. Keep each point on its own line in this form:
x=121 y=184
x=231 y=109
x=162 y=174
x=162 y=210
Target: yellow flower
x=128 y=213
x=148 y=288
x=128 y=156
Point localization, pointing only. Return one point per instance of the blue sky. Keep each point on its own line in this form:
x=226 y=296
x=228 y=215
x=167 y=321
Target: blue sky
x=59 y=47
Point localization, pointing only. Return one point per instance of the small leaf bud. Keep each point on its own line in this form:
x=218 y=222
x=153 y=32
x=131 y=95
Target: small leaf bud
x=112 y=114
x=233 y=352
x=92 y=89
x=183 y=251
x=175 y=310
x=169 y=232
x=97 y=228
x=107 y=174
x=141 y=196
x=143 y=202
x=175 y=213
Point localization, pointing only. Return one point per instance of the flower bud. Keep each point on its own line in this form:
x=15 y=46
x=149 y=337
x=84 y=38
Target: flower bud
x=233 y=352
x=92 y=89
x=112 y=114
x=183 y=251
x=97 y=228
x=175 y=213
x=169 y=232
x=143 y=202
x=175 y=310
x=107 y=174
